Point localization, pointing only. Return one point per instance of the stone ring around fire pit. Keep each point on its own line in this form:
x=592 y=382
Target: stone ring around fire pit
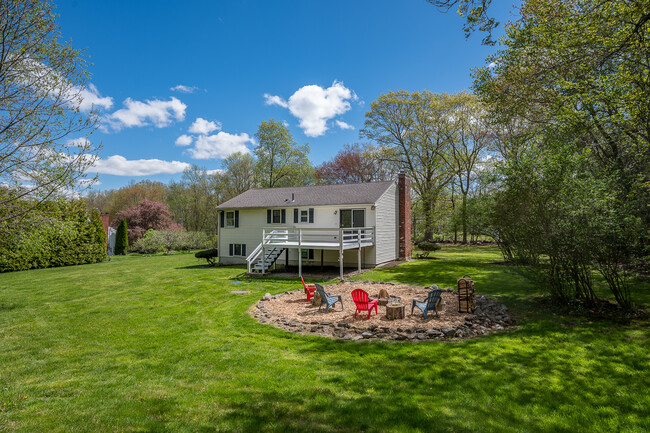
x=291 y=311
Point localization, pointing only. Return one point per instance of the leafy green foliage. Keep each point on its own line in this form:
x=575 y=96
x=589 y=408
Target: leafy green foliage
x=121 y=239
x=171 y=240
x=52 y=233
x=428 y=247
x=210 y=255
x=42 y=80
x=569 y=94
x=280 y=160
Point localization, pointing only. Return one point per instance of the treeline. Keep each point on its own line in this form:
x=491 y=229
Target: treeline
x=567 y=98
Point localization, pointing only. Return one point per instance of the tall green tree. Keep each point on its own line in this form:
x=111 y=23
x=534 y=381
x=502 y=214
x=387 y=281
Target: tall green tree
x=280 y=160
x=470 y=138
x=121 y=239
x=418 y=127
x=42 y=81
x=572 y=81
x=238 y=175
x=194 y=198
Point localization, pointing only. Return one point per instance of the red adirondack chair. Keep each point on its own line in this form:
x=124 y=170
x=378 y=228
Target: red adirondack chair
x=360 y=298
x=310 y=289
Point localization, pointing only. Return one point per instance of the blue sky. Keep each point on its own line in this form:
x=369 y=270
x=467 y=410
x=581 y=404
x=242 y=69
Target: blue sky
x=210 y=72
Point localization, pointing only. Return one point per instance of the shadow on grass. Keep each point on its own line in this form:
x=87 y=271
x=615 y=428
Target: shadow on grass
x=537 y=379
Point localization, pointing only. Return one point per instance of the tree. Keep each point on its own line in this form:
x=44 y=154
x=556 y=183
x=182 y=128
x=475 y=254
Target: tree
x=470 y=138
x=280 y=160
x=99 y=235
x=42 y=81
x=132 y=194
x=571 y=82
x=418 y=127
x=194 y=198
x=121 y=239
x=238 y=175
x=147 y=215
x=355 y=163
x=475 y=14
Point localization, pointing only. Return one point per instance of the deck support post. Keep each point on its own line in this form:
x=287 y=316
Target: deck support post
x=299 y=253
x=263 y=258
x=341 y=254
x=321 y=259
x=286 y=259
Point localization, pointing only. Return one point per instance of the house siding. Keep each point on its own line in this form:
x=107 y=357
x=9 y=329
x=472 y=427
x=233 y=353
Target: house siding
x=386 y=244
x=252 y=221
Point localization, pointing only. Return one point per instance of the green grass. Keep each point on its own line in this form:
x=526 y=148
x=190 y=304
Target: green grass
x=159 y=344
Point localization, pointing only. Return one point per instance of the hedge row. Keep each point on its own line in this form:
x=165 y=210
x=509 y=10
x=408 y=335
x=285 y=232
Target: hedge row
x=54 y=233
x=155 y=241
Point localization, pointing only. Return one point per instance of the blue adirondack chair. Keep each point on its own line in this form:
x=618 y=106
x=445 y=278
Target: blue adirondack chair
x=428 y=304
x=327 y=299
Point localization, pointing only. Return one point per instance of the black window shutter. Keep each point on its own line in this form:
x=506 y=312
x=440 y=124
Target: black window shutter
x=311 y=254
x=243 y=250
x=223 y=217
x=268 y=216
x=230 y=249
x=295 y=215
x=236 y=218
x=311 y=215
x=284 y=216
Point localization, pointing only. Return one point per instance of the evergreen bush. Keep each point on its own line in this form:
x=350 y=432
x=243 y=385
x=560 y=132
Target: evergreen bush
x=121 y=239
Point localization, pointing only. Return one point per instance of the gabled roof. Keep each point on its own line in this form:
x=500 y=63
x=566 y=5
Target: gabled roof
x=322 y=195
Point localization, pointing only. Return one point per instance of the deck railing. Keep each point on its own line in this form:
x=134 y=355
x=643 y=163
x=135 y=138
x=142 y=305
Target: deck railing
x=296 y=237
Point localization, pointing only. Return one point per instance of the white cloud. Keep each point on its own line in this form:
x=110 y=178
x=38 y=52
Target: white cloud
x=184 y=140
x=275 y=100
x=155 y=112
x=492 y=65
x=204 y=127
x=90 y=98
x=120 y=166
x=184 y=89
x=314 y=105
x=79 y=142
x=220 y=145
x=216 y=171
x=344 y=125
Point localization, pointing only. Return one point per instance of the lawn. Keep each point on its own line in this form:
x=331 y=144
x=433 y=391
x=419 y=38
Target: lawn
x=159 y=344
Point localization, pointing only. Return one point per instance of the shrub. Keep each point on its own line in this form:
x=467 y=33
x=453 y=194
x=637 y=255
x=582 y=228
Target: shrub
x=210 y=255
x=428 y=247
x=121 y=239
x=52 y=233
x=166 y=240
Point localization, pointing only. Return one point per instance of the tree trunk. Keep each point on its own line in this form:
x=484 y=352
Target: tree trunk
x=428 y=218
x=464 y=218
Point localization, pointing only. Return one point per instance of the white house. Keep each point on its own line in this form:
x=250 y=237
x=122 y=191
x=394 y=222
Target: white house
x=359 y=225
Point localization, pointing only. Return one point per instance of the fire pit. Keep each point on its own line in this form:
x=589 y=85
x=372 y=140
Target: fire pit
x=394 y=310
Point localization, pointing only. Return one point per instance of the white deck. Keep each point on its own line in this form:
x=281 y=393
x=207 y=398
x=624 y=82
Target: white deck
x=312 y=238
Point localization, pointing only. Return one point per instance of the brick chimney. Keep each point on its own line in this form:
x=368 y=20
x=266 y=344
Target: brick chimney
x=404 y=215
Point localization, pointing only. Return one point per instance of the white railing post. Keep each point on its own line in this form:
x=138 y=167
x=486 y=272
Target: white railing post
x=359 y=250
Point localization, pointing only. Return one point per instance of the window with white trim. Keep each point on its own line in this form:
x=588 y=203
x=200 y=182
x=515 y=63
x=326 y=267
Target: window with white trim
x=230 y=219
x=237 y=250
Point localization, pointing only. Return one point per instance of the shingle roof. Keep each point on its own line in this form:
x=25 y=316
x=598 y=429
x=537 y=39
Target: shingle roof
x=354 y=193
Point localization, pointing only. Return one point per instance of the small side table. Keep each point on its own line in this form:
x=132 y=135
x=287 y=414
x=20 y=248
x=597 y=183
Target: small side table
x=394 y=312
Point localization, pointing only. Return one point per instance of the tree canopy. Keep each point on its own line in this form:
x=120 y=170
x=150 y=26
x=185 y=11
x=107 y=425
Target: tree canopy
x=44 y=121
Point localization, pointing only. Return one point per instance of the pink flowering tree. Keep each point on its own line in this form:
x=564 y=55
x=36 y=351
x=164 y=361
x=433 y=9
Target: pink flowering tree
x=144 y=216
